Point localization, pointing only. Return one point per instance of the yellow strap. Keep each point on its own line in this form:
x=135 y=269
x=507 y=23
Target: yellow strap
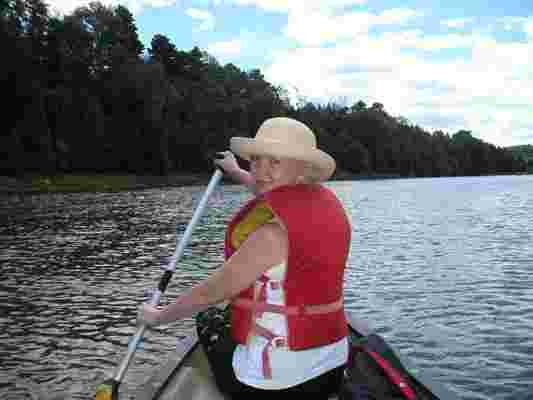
x=261 y=214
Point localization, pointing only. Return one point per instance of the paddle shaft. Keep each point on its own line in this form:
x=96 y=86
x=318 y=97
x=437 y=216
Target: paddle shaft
x=167 y=275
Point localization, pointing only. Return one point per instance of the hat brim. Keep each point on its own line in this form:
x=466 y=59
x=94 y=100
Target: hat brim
x=321 y=161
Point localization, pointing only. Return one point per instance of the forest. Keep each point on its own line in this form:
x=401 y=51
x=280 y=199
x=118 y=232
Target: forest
x=82 y=94
x=524 y=152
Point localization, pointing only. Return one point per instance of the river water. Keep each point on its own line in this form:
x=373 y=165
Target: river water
x=443 y=268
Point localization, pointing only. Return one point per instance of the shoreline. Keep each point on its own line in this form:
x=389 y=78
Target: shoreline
x=95 y=183
x=109 y=183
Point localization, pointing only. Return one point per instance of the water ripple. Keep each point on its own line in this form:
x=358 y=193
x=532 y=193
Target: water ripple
x=441 y=267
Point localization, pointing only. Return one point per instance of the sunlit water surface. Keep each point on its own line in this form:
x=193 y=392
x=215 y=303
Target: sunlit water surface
x=443 y=268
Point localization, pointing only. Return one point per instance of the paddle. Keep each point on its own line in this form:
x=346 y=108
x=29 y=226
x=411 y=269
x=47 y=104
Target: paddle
x=108 y=390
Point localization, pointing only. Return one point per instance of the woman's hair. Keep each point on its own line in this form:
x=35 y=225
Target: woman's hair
x=310 y=175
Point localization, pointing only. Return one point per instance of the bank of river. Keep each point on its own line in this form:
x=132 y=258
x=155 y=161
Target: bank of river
x=75 y=183
x=97 y=183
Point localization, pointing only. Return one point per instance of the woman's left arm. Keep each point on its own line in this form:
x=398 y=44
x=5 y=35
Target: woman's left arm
x=263 y=249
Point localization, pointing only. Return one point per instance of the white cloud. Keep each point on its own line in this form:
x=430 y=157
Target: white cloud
x=272 y=5
x=319 y=21
x=291 y=6
x=481 y=90
x=457 y=22
x=317 y=28
x=226 y=48
x=415 y=39
x=206 y=19
x=397 y=16
x=65 y=7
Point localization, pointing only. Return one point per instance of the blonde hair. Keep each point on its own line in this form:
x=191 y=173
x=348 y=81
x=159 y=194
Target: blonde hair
x=310 y=174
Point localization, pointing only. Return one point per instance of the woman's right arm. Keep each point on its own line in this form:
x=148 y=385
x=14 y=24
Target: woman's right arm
x=266 y=247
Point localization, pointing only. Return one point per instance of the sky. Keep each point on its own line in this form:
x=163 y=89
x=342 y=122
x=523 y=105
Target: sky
x=443 y=65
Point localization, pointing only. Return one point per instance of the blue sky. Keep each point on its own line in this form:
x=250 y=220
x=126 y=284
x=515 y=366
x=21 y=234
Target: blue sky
x=460 y=65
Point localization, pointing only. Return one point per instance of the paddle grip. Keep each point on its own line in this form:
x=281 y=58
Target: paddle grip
x=218 y=156
x=163 y=282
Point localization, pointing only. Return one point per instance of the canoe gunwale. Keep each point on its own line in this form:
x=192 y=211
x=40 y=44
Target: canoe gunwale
x=152 y=388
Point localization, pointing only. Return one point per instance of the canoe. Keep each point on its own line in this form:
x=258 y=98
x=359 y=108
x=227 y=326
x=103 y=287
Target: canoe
x=187 y=375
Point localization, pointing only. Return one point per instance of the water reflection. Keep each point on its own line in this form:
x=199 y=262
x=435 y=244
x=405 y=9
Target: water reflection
x=440 y=266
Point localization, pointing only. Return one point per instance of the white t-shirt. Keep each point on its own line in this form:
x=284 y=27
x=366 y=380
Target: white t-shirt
x=289 y=368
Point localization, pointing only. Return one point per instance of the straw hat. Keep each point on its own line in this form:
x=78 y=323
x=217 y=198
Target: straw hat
x=286 y=138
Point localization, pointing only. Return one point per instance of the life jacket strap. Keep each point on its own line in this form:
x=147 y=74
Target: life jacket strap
x=261 y=307
x=273 y=342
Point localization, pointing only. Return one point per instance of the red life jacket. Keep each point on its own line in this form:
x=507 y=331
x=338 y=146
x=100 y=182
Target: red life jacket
x=319 y=238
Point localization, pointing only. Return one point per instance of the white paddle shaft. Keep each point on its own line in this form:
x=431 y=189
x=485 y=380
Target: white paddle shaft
x=136 y=339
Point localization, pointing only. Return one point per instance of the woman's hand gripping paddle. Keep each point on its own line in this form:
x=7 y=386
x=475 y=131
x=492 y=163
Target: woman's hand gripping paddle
x=108 y=390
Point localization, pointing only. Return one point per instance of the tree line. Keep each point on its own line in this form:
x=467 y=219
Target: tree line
x=81 y=93
x=524 y=152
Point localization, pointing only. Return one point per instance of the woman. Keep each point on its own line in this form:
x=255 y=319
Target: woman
x=286 y=252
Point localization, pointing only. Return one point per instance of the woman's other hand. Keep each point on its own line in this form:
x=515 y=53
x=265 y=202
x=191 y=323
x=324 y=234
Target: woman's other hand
x=149 y=315
x=227 y=161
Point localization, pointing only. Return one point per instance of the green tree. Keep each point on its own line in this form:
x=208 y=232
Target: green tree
x=165 y=53
x=127 y=35
x=523 y=153
x=115 y=38
x=359 y=106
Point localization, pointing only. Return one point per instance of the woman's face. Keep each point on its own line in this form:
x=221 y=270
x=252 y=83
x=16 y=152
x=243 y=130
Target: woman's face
x=270 y=172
